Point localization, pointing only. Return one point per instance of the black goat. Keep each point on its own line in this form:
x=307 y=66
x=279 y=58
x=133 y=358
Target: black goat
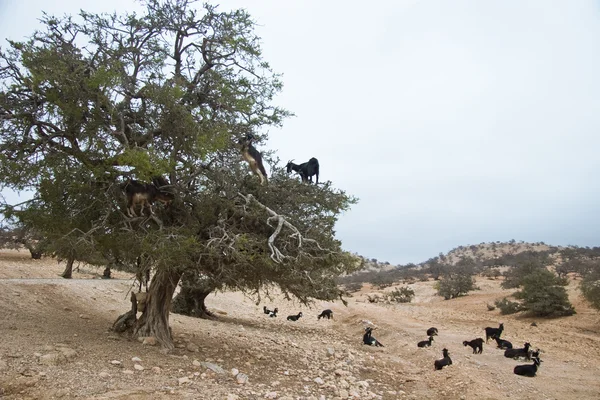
x=425 y=343
x=266 y=310
x=253 y=158
x=432 y=331
x=516 y=353
x=439 y=364
x=491 y=332
x=305 y=170
x=294 y=317
x=369 y=339
x=503 y=344
x=145 y=194
x=326 y=313
x=528 y=370
x=273 y=313
x=476 y=345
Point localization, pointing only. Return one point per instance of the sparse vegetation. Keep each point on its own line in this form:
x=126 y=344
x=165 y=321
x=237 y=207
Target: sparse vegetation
x=508 y=307
x=402 y=295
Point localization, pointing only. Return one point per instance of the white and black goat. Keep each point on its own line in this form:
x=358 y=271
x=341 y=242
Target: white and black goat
x=369 y=339
x=294 y=317
x=491 y=332
x=528 y=370
x=439 y=364
x=145 y=194
x=326 y=314
x=253 y=158
x=305 y=170
x=273 y=313
x=432 y=331
x=266 y=310
x=475 y=344
x=425 y=343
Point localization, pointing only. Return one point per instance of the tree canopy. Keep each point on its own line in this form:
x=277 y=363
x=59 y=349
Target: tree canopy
x=89 y=102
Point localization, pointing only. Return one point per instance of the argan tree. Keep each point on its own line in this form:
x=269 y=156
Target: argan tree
x=88 y=102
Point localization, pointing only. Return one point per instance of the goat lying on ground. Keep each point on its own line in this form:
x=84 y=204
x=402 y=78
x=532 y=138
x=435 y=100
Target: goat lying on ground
x=439 y=364
x=369 y=339
x=294 y=317
x=266 y=310
x=490 y=332
x=476 y=345
x=253 y=158
x=305 y=170
x=326 y=313
x=273 y=313
x=528 y=370
x=432 y=331
x=503 y=344
x=145 y=194
x=516 y=353
x=425 y=343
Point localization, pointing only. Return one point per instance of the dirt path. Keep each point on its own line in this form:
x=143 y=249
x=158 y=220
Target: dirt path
x=307 y=359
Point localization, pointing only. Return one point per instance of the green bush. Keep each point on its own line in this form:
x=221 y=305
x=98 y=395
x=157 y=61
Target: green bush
x=544 y=295
x=455 y=285
x=590 y=287
x=508 y=307
x=402 y=295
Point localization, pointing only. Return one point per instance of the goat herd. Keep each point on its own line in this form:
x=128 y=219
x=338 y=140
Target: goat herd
x=273 y=313
x=477 y=346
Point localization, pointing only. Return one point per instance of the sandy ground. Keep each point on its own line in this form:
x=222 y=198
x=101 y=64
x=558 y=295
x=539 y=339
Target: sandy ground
x=43 y=315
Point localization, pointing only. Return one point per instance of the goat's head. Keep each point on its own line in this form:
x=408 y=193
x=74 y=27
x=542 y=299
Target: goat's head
x=289 y=165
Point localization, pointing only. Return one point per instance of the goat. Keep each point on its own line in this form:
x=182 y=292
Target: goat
x=503 y=344
x=439 y=364
x=273 y=313
x=432 y=331
x=326 y=313
x=476 y=345
x=516 y=353
x=145 y=194
x=425 y=343
x=253 y=158
x=528 y=370
x=305 y=170
x=369 y=339
x=490 y=332
x=266 y=310
x=294 y=317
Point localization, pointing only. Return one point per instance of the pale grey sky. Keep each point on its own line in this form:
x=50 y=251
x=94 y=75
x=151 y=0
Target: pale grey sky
x=454 y=122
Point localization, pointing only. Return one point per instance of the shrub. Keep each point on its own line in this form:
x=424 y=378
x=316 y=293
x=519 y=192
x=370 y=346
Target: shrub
x=402 y=295
x=590 y=287
x=508 y=307
x=455 y=285
x=543 y=295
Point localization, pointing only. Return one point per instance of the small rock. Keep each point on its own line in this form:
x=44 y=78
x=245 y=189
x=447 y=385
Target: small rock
x=136 y=359
x=196 y=363
x=149 y=341
x=235 y=371
x=84 y=316
x=213 y=367
x=192 y=348
x=231 y=396
x=128 y=372
x=184 y=380
x=53 y=359
x=138 y=367
x=67 y=309
x=241 y=378
x=156 y=370
x=319 y=381
x=104 y=375
x=330 y=352
x=115 y=362
x=271 y=395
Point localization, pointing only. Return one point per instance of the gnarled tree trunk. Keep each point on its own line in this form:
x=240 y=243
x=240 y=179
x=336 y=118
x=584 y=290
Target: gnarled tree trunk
x=190 y=301
x=68 y=272
x=155 y=318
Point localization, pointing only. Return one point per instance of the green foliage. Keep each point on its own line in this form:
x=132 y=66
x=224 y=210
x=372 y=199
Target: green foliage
x=508 y=307
x=402 y=295
x=544 y=295
x=590 y=287
x=455 y=284
x=513 y=277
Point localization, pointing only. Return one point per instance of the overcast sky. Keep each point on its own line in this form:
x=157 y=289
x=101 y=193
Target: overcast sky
x=454 y=122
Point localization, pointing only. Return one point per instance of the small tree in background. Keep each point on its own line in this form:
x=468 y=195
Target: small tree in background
x=590 y=287
x=544 y=295
x=402 y=295
x=457 y=282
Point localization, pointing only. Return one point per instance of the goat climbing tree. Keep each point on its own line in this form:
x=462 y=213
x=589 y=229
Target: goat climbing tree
x=92 y=100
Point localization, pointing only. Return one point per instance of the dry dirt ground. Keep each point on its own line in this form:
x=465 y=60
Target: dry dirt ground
x=55 y=343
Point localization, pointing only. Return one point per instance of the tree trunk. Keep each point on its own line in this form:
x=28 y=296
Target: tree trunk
x=106 y=273
x=68 y=272
x=190 y=301
x=155 y=318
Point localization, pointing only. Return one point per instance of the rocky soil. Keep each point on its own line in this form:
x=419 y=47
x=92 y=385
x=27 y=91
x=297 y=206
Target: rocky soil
x=56 y=343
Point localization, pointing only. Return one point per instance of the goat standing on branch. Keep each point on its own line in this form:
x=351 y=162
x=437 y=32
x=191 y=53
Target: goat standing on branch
x=253 y=158
x=145 y=194
x=305 y=170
